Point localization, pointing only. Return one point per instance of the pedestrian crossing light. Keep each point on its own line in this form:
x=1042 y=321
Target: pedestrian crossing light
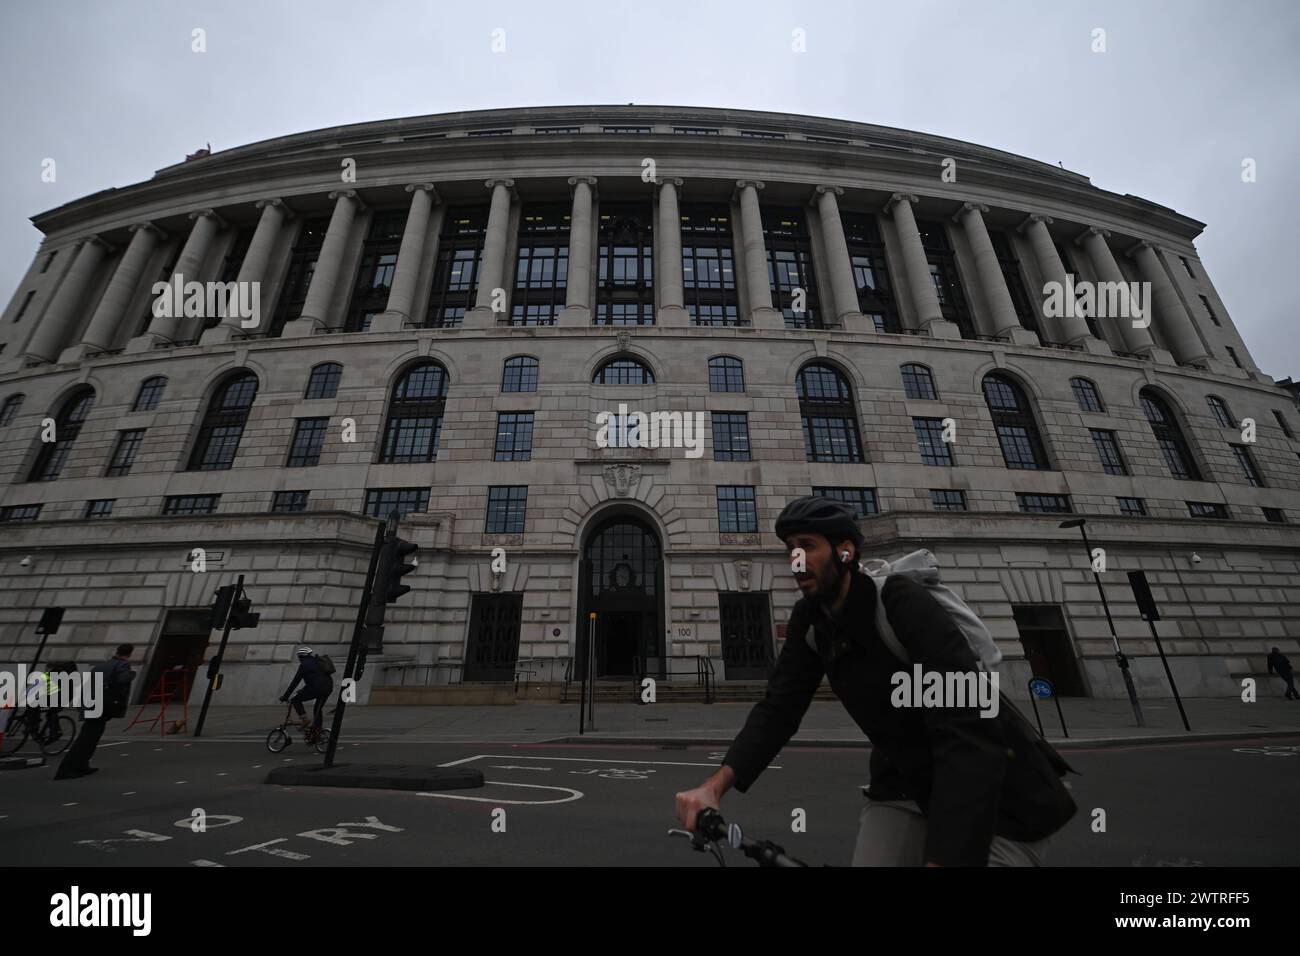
x=220 y=607
x=242 y=614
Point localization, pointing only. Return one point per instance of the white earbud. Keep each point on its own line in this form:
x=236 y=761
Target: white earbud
x=844 y=555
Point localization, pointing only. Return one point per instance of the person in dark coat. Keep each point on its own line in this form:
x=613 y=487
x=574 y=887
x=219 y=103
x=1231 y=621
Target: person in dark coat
x=317 y=685
x=116 y=693
x=1280 y=665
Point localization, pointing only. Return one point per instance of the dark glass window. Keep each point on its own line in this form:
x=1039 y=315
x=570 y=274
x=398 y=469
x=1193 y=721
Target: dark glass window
x=49 y=261
x=542 y=269
x=696 y=131
x=287 y=501
x=623 y=372
x=1112 y=462
x=27 y=300
x=917 y=381
x=302 y=266
x=514 y=436
x=519 y=374
x=1014 y=422
x=625 y=265
x=870 y=270
x=730 y=436
x=1009 y=264
x=190 y=504
x=790 y=266
x=223 y=425
x=415 y=410
x=1086 y=394
x=1169 y=436
x=99 y=508
x=506 y=508
x=944 y=275
x=737 y=509
x=381 y=502
x=726 y=374
x=324 y=381
x=1219 y=408
x=151 y=389
x=1206 y=509
x=308 y=440
x=20 y=512
x=67 y=426
x=489 y=132
x=455 y=274
x=1044 y=504
x=1132 y=507
x=1248 y=467
x=627 y=129
x=708 y=267
x=234 y=259
x=760 y=134
x=128 y=444
x=861 y=500
x=929 y=441
x=1281 y=423
x=1187 y=265
x=944 y=499
x=1209 y=309
x=9 y=410
x=829 y=418
x=378 y=266
x=1275 y=515
x=1232 y=354
x=556 y=130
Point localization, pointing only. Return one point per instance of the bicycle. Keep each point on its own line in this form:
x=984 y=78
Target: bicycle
x=33 y=724
x=711 y=830
x=279 y=738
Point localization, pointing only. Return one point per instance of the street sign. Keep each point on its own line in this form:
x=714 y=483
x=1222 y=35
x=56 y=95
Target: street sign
x=1041 y=688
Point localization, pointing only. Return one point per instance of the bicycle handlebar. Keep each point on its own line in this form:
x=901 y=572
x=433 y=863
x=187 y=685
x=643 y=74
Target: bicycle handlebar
x=711 y=829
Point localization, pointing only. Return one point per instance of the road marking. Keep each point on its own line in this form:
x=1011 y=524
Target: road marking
x=70 y=804
x=205 y=863
x=179 y=782
x=129 y=793
x=514 y=767
x=624 y=761
x=221 y=774
x=115 y=743
x=572 y=794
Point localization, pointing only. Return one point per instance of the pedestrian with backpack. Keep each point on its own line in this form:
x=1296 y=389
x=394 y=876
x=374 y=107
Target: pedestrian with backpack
x=951 y=784
x=314 y=673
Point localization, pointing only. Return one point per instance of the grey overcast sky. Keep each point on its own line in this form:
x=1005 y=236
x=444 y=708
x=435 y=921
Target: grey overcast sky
x=1185 y=90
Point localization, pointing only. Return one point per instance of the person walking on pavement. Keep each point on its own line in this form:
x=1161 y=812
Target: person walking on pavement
x=317 y=685
x=948 y=787
x=1279 y=663
x=116 y=692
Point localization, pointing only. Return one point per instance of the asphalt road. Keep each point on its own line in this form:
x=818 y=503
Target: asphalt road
x=1207 y=804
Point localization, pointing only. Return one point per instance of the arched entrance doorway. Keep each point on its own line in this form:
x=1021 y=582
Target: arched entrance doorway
x=621 y=580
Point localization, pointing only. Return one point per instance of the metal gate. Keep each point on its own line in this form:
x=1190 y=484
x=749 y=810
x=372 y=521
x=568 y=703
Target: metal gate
x=493 y=637
x=746 y=635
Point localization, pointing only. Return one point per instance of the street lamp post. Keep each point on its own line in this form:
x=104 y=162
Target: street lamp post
x=1120 y=657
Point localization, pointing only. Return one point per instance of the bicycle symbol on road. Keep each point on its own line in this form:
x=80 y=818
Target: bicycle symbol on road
x=613 y=773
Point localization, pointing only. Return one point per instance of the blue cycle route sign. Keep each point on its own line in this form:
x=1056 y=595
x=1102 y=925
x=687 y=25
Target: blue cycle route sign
x=1041 y=688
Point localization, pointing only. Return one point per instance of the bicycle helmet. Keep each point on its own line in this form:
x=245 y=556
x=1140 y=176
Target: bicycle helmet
x=834 y=520
x=303 y=651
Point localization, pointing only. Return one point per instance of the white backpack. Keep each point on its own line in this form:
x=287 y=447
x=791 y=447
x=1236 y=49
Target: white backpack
x=921 y=567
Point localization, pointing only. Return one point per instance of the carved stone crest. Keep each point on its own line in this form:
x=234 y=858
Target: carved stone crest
x=622 y=479
x=623 y=338
x=742 y=572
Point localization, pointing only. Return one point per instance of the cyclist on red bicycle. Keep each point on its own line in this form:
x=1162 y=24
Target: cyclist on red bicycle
x=317 y=685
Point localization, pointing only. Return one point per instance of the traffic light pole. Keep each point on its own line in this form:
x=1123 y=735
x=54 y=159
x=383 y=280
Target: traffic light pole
x=353 y=650
x=214 y=671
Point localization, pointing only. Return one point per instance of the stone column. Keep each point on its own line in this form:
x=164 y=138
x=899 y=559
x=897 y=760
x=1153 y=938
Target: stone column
x=577 y=290
x=325 y=277
x=844 y=291
x=1175 y=323
x=925 y=301
x=672 y=300
x=188 y=268
x=997 y=298
x=758 y=286
x=1136 y=338
x=1069 y=327
x=410 y=255
x=252 y=271
x=492 y=265
x=104 y=324
x=61 y=315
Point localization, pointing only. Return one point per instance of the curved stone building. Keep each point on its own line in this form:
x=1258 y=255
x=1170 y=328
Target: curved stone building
x=461 y=316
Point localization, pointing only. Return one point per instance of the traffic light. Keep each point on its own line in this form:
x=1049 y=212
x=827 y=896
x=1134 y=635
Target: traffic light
x=242 y=615
x=220 y=607
x=388 y=587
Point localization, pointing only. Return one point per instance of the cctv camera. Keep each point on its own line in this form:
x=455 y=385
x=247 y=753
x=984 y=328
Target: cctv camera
x=25 y=562
x=1196 y=558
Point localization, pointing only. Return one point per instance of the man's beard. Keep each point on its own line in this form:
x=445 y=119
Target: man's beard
x=828 y=591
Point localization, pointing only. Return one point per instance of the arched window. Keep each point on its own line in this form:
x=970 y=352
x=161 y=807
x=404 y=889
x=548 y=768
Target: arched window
x=415 y=412
x=519 y=374
x=830 y=421
x=67 y=426
x=324 y=381
x=623 y=371
x=1086 y=394
x=1013 y=419
x=1219 y=408
x=1169 y=436
x=9 y=410
x=917 y=381
x=223 y=425
x=151 y=389
x=726 y=374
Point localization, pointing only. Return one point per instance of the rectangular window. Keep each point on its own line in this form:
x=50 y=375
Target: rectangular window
x=302 y=266
x=695 y=131
x=627 y=129
x=455 y=273
x=380 y=502
x=625 y=264
x=760 y=134
x=861 y=500
x=1132 y=507
x=190 y=504
x=514 y=436
x=918 y=382
x=1108 y=449
x=150 y=392
x=1206 y=509
x=1232 y=354
x=1085 y=393
x=287 y=501
x=1248 y=467
x=128 y=443
x=542 y=265
x=1187 y=265
x=944 y=499
x=929 y=439
x=49 y=261
x=520 y=375
x=506 y=507
x=726 y=374
x=829 y=140
x=556 y=130
x=489 y=132
x=1209 y=309
x=1281 y=423
x=99 y=508
x=1275 y=515
x=27 y=300
x=790 y=266
x=20 y=513
x=730 y=436
x=308 y=439
x=945 y=276
x=737 y=509
x=708 y=269
x=1044 y=504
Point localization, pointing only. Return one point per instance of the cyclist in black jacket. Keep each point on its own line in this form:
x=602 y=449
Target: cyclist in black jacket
x=316 y=685
x=948 y=786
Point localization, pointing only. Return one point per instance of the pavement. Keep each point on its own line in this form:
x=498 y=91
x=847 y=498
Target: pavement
x=1089 y=722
